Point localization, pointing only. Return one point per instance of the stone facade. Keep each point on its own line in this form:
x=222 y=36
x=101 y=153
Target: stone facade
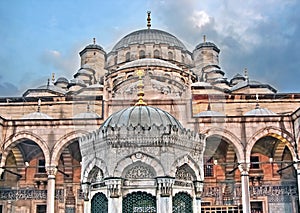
x=72 y=146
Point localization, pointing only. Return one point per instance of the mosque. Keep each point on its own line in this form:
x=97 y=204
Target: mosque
x=150 y=126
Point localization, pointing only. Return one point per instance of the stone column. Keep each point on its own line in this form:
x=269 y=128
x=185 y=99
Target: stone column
x=114 y=192
x=85 y=187
x=244 y=168
x=51 y=171
x=198 y=187
x=164 y=201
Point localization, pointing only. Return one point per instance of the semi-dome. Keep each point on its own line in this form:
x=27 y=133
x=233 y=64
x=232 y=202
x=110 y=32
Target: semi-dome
x=149 y=36
x=143 y=116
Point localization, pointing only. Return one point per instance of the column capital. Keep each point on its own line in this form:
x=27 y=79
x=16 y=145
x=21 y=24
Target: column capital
x=85 y=188
x=198 y=185
x=165 y=185
x=244 y=167
x=51 y=171
x=114 y=186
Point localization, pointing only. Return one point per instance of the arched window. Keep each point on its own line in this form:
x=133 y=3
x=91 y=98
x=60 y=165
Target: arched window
x=156 y=54
x=170 y=56
x=127 y=57
x=142 y=54
x=99 y=203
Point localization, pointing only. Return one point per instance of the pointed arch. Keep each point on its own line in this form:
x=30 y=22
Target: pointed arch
x=186 y=159
x=89 y=167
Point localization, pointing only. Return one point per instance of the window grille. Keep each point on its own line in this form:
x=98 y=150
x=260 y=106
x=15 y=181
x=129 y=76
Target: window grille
x=99 y=203
x=139 y=202
x=182 y=203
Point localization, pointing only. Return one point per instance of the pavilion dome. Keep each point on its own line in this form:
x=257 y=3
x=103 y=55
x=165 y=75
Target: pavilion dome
x=150 y=36
x=142 y=116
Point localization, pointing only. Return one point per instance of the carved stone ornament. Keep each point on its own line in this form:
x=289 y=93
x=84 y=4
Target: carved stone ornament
x=165 y=185
x=85 y=187
x=198 y=186
x=114 y=187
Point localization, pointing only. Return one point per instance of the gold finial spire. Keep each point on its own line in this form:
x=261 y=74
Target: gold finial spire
x=140 y=86
x=204 y=38
x=149 y=19
x=53 y=77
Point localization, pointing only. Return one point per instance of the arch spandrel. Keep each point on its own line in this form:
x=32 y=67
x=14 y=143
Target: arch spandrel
x=21 y=136
x=230 y=138
x=282 y=135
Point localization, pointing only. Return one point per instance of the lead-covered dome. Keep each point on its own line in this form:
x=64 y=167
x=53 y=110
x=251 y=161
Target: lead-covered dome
x=143 y=116
x=149 y=36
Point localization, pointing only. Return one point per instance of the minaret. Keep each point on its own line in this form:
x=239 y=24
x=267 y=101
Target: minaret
x=204 y=55
x=93 y=57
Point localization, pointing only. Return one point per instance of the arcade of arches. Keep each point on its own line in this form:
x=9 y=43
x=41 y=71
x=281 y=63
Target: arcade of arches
x=150 y=126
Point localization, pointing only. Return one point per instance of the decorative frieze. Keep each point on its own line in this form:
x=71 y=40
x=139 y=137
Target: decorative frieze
x=29 y=194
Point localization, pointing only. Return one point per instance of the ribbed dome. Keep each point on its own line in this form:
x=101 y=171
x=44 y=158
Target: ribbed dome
x=149 y=36
x=144 y=116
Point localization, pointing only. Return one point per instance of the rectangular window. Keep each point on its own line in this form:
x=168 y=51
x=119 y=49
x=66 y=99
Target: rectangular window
x=41 y=166
x=254 y=162
x=209 y=168
x=1 y=208
x=41 y=208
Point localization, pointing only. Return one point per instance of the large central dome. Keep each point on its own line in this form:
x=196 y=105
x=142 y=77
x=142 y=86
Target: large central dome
x=149 y=36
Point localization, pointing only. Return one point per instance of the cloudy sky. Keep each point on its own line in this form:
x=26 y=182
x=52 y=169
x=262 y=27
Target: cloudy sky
x=42 y=37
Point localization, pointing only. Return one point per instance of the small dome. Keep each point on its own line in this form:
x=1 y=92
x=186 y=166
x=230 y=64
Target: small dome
x=87 y=115
x=61 y=80
x=150 y=36
x=36 y=116
x=149 y=62
x=209 y=113
x=259 y=112
x=144 y=116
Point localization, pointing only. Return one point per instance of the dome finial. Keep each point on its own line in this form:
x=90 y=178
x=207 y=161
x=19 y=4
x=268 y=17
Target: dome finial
x=140 y=87
x=246 y=74
x=204 y=38
x=149 y=19
x=94 y=40
x=39 y=105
